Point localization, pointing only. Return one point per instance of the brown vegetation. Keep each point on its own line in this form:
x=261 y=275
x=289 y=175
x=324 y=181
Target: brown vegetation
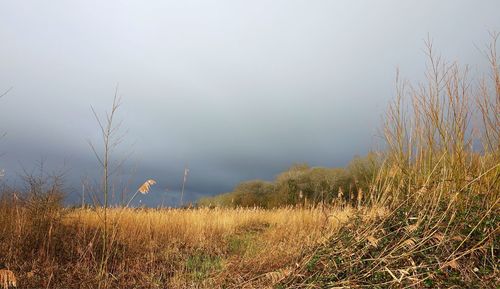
x=169 y=248
x=427 y=218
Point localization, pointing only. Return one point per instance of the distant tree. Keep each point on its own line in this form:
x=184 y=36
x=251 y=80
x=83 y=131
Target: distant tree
x=301 y=184
x=252 y=193
x=362 y=172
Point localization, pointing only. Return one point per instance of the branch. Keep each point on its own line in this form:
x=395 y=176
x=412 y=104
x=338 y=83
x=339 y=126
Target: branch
x=95 y=153
x=7 y=91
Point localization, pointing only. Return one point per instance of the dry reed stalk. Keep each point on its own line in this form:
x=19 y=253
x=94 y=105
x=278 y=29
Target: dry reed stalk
x=7 y=279
x=442 y=192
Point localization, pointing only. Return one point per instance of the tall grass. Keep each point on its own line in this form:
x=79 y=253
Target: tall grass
x=169 y=248
x=441 y=182
x=447 y=139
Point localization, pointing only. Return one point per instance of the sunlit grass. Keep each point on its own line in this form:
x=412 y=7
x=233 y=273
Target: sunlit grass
x=175 y=248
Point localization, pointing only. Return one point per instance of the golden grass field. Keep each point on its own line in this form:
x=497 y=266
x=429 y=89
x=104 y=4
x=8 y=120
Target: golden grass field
x=210 y=247
x=173 y=248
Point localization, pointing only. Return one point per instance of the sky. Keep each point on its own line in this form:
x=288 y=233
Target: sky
x=234 y=90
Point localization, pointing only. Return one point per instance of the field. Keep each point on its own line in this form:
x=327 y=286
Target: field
x=326 y=245
x=173 y=248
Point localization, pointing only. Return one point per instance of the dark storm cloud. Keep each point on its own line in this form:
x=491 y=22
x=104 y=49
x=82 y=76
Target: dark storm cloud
x=236 y=90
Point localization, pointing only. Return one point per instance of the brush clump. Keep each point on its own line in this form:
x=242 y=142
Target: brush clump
x=440 y=184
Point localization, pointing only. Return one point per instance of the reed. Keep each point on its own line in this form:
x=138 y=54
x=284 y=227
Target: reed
x=165 y=248
x=440 y=181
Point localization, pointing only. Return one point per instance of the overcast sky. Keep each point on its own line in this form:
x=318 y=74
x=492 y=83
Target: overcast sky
x=236 y=90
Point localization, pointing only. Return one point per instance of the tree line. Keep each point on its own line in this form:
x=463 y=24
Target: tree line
x=303 y=185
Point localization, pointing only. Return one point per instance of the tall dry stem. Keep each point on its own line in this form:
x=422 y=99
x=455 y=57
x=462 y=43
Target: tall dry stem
x=108 y=130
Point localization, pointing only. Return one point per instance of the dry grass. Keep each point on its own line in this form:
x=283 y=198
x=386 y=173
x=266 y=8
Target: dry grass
x=7 y=279
x=172 y=248
x=441 y=183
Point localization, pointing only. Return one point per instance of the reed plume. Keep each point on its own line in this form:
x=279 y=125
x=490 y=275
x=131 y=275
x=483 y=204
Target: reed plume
x=143 y=189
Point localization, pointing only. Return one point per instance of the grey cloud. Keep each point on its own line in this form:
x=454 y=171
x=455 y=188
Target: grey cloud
x=236 y=89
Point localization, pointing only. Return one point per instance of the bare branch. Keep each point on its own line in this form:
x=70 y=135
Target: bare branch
x=95 y=153
x=7 y=91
